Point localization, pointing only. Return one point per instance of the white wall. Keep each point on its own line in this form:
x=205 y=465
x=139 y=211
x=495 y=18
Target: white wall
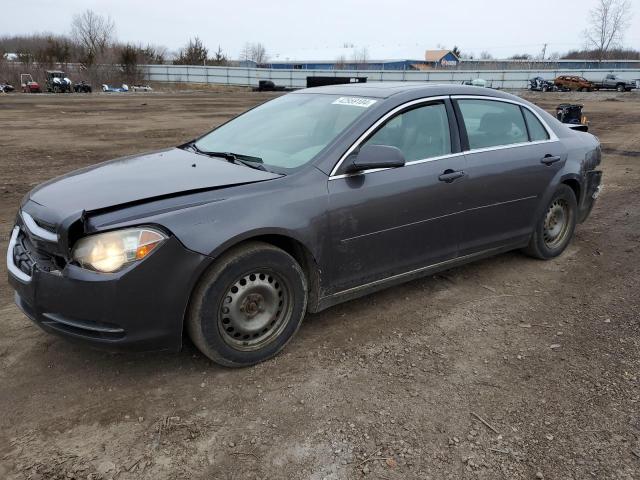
x=298 y=78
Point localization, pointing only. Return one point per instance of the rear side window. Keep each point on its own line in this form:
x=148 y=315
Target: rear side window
x=536 y=131
x=492 y=123
x=420 y=133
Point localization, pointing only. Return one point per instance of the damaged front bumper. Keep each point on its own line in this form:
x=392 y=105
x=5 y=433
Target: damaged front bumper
x=141 y=307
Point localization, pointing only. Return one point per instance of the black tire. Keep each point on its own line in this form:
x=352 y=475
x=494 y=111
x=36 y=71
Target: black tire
x=543 y=244
x=620 y=88
x=266 y=280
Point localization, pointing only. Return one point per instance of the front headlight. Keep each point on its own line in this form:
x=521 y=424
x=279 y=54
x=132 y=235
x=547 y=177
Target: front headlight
x=109 y=252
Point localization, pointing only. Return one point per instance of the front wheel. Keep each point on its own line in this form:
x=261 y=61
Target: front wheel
x=248 y=305
x=553 y=232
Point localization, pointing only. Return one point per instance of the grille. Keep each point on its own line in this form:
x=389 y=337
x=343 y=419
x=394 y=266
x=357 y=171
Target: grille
x=21 y=256
x=26 y=255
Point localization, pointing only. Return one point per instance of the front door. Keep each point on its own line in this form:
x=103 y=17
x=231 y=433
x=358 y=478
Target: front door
x=391 y=221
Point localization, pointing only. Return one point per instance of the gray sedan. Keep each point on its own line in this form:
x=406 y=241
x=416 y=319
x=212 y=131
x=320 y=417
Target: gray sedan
x=306 y=201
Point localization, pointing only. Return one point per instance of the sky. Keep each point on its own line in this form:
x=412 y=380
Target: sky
x=301 y=29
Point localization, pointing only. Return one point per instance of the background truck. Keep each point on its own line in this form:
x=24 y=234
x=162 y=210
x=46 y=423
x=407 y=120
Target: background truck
x=614 y=82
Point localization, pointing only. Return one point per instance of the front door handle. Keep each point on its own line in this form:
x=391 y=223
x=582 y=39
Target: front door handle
x=550 y=159
x=450 y=175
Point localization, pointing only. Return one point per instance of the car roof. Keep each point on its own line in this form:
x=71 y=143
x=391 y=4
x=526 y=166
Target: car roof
x=389 y=89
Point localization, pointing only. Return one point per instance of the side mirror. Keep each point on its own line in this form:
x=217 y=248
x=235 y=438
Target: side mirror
x=375 y=156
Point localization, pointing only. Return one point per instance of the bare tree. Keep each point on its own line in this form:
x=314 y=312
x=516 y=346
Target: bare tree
x=341 y=63
x=608 y=21
x=154 y=54
x=361 y=58
x=254 y=52
x=93 y=32
x=484 y=55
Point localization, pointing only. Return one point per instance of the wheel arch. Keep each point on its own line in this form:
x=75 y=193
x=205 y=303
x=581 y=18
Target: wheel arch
x=573 y=183
x=291 y=244
x=570 y=179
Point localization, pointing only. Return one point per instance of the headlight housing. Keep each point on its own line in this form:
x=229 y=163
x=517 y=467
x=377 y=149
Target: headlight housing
x=111 y=251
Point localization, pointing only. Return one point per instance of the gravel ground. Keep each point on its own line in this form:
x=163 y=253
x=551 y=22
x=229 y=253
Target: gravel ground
x=508 y=368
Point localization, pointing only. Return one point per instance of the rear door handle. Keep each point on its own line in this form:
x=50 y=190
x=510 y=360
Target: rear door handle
x=550 y=159
x=450 y=175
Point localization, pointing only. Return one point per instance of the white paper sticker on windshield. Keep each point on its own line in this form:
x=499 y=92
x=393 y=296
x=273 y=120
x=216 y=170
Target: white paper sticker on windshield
x=355 y=101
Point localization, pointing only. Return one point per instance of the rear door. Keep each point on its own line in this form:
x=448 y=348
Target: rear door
x=511 y=160
x=391 y=221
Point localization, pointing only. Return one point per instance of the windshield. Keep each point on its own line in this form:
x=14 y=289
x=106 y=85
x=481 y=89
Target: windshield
x=287 y=132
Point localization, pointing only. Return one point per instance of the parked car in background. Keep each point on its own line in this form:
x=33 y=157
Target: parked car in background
x=142 y=88
x=539 y=84
x=28 y=85
x=614 y=82
x=311 y=199
x=111 y=89
x=477 y=82
x=6 y=87
x=573 y=82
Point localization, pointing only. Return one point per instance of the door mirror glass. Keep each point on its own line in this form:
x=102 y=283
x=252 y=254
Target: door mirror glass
x=376 y=156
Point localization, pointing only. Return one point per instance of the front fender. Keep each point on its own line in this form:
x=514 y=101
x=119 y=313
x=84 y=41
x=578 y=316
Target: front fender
x=263 y=232
x=211 y=222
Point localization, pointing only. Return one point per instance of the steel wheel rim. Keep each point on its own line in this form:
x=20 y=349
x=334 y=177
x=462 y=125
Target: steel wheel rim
x=556 y=223
x=254 y=310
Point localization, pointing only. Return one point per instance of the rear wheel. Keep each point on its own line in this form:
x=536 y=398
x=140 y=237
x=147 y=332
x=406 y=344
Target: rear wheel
x=620 y=88
x=248 y=305
x=553 y=232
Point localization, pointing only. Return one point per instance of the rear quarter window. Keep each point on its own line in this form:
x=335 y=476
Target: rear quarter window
x=537 y=132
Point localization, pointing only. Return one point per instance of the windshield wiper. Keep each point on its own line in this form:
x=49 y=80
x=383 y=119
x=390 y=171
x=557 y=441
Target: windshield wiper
x=251 y=163
x=237 y=158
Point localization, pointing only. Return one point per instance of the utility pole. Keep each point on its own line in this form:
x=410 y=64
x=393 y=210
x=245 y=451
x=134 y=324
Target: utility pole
x=544 y=51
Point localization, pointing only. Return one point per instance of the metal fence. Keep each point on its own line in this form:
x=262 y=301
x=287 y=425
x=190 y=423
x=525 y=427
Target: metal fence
x=509 y=79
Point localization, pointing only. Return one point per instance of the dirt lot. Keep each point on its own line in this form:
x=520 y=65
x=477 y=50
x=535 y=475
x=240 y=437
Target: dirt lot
x=547 y=353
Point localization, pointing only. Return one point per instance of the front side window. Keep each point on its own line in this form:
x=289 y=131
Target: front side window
x=492 y=123
x=286 y=133
x=420 y=133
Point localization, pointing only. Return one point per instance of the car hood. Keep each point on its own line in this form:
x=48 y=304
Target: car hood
x=141 y=178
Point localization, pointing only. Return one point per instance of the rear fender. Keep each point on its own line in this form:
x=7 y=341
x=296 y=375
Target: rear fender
x=561 y=177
